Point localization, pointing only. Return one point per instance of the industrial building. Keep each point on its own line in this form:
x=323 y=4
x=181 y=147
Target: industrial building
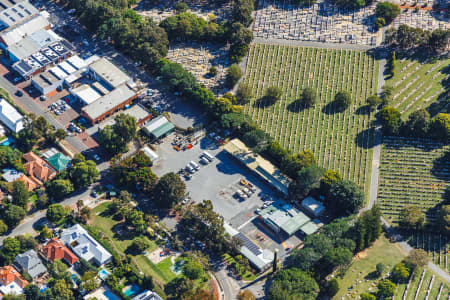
x=284 y=218
x=262 y=167
x=158 y=127
x=16 y=14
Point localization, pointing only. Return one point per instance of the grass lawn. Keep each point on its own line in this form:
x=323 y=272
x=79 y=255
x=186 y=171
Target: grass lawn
x=104 y=223
x=382 y=251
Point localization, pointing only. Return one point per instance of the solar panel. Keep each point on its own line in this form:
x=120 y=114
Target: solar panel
x=249 y=244
x=24 y=66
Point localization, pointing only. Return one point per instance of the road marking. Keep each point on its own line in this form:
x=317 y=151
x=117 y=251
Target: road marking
x=245 y=223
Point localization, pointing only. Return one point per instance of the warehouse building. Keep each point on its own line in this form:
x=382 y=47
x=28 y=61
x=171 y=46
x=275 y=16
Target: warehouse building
x=12 y=35
x=16 y=14
x=158 y=127
x=262 y=167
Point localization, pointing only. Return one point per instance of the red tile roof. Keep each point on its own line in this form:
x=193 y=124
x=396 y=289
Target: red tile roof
x=55 y=249
x=9 y=274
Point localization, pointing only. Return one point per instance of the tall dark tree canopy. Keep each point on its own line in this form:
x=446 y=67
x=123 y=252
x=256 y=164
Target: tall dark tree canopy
x=307 y=179
x=346 y=197
x=169 y=190
x=440 y=127
x=342 y=100
x=114 y=139
x=387 y=10
x=293 y=284
x=418 y=123
x=390 y=119
x=308 y=97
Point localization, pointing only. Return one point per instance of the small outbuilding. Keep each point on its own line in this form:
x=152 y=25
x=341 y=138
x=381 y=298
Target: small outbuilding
x=158 y=127
x=313 y=206
x=150 y=153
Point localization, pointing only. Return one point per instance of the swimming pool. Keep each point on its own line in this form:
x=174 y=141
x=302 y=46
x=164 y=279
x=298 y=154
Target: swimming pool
x=7 y=142
x=132 y=290
x=103 y=274
x=111 y=296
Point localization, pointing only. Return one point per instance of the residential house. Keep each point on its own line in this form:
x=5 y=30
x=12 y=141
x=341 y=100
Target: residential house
x=11 y=175
x=12 y=282
x=31 y=263
x=59 y=161
x=147 y=295
x=55 y=249
x=85 y=246
x=37 y=168
x=10 y=117
x=30 y=183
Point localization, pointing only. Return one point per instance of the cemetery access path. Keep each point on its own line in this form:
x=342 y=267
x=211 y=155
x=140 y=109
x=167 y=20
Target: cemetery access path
x=323 y=45
x=394 y=233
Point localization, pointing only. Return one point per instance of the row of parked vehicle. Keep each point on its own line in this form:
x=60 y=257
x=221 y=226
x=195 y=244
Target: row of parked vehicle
x=205 y=158
x=74 y=128
x=247 y=190
x=58 y=107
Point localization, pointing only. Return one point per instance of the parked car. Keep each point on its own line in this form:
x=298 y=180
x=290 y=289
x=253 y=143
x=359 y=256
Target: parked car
x=190 y=169
x=96 y=157
x=19 y=93
x=204 y=160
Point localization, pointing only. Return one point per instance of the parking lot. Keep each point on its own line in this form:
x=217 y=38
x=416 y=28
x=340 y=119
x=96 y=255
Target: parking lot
x=219 y=182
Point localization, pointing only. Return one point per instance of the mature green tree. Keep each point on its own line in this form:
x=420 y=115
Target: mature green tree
x=32 y=292
x=440 y=126
x=380 y=22
x=244 y=94
x=139 y=245
x=367 y=228
x=20 y=194
x=62 y=290
x=78 y=158
x=84 y=173
x=352 y=4
x=293 y=284
x=380 y=268
x=304 y=259
x=386 y=289
x=388 y=11
x=329 y=177
x=438 y=40
x=342 y=100
x=11 y=158
x=237 y=121
x=89 y=281
x=417 y=258
x=242 y=11
x=27 y=242
x=59 y=188
x=246 y=295
x=373 y=102
x=114 y=139
x=3 y=227
x=411 y=218
x=11 y=247
x=307 y=180
x=400 y=273
x=240 y=39
x=13 y=214
x=46 y=233
x=387 y=94
x=169 y=190
x=367 y=296
x=233 y=75
x=135 y=218
x=179 y=286
x=192 y=269
x=339 y=256
x=308 y=97
x=181 y=7
x=346 y=197
x=257 y=139
x=418 y=122
x=292 y=164
x=56 y=212
x=332 y=287
x=391 y=120
x=273 y=94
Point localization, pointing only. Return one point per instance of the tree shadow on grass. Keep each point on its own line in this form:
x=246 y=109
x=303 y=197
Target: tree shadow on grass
x=263 y=102
x=331 y=108
x=440 y=169
x=372 y=275
x=363 y=110
x=296 y=106
x=364 y=139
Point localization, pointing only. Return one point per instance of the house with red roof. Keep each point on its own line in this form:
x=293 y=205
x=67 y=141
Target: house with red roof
x=12 y=282
x=55 y=249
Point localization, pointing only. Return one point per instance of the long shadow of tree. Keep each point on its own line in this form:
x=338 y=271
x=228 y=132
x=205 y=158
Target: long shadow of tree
x=296 y=106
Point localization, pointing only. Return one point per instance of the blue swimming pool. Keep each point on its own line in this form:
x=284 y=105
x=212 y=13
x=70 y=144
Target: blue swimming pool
x=7 y=142
x=111 y=296
x=103 y=274
x=132 y=290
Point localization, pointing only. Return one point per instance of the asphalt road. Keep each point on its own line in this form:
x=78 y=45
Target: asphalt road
x=29 y=105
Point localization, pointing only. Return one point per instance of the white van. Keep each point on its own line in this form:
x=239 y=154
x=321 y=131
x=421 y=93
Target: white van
x=208 y=156
x=190 y=169
x=194 y=165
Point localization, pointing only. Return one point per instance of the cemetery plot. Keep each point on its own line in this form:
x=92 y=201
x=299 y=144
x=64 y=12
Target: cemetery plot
x=321 y=22
x=158 y=11
x=423 y=284
x=198 y=58
x=419 y=83
x=340 y=141
x=436 y=246
x=412 y=173
x=424 y=19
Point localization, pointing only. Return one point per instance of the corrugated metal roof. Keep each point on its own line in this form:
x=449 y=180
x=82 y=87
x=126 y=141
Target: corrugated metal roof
x=13 y=35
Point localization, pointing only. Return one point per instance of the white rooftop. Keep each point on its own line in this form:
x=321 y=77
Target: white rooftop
x=84 y=245
x=109 y=73
x=67 y=67
x=150 y=153
x=12 y=288
x=313 y=206
x=17 y=13
x=77 y=62
x=10 y=117
x=58 y=72
x=86 y=94
x=14 y=34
